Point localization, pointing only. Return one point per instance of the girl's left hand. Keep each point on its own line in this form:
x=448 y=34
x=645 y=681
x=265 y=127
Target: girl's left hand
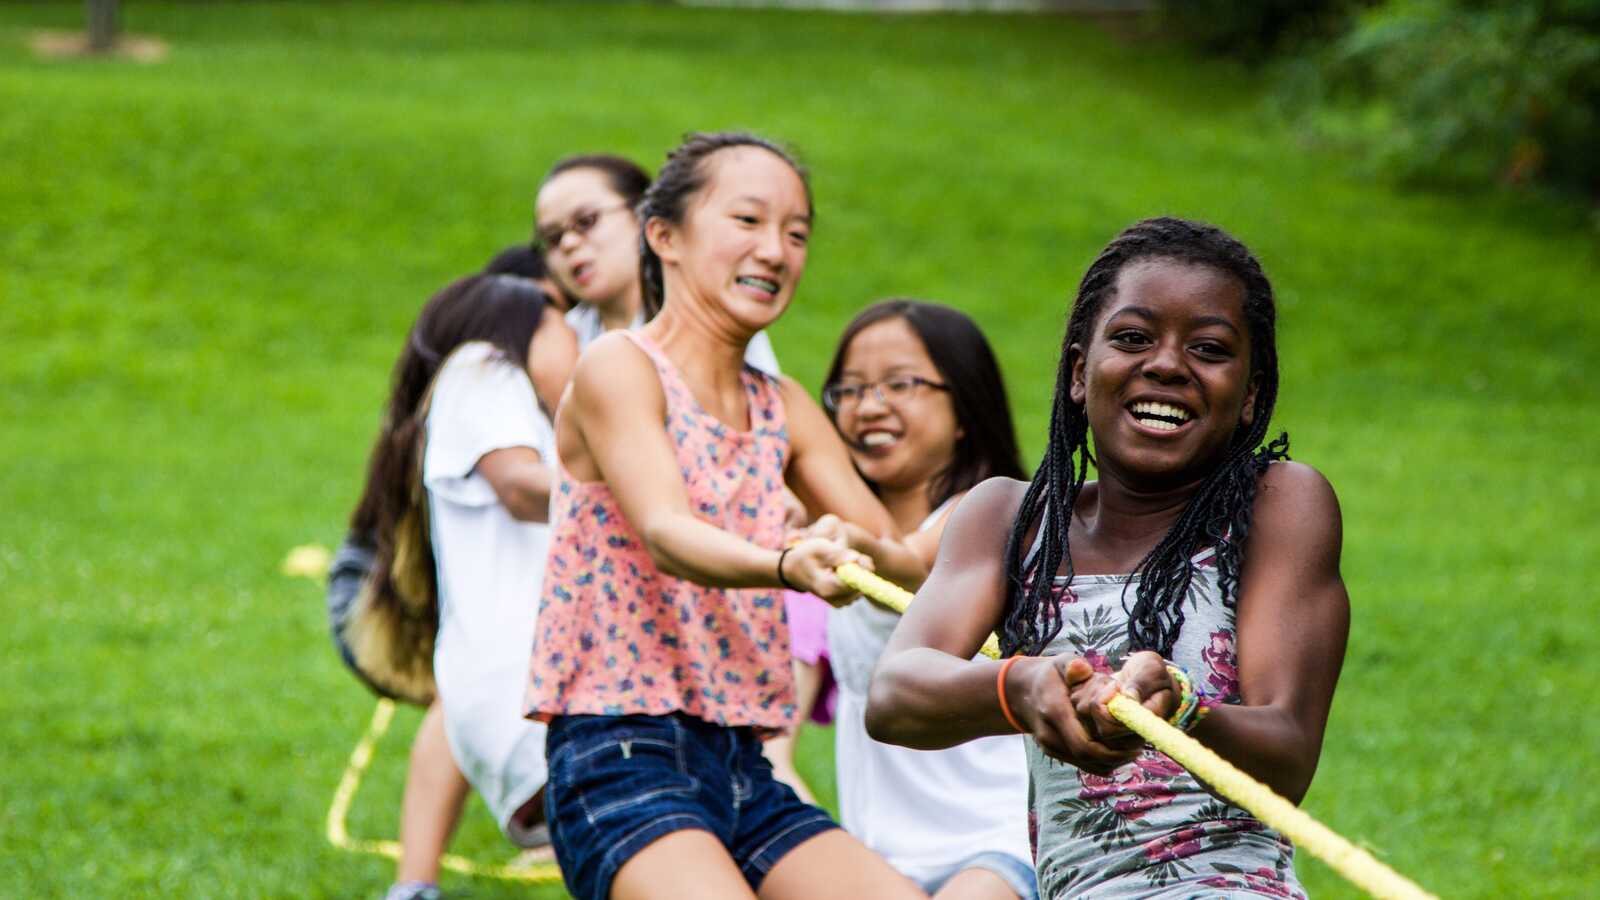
x=1143 y=677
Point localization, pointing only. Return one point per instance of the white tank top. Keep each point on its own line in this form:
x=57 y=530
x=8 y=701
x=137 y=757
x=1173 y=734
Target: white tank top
x=922 y=810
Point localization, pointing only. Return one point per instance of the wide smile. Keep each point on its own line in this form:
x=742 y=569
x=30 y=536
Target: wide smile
x=877 y=441
x=764 y=289
x=1159 y=418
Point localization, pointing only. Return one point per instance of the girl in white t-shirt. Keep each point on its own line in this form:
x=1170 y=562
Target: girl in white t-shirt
x=470 y=413
x=916 y=393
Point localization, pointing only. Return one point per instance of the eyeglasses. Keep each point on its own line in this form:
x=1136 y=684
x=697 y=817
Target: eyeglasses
x=547 y=239
x=890 y=391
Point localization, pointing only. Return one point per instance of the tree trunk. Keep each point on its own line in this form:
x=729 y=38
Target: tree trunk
x=102 y=25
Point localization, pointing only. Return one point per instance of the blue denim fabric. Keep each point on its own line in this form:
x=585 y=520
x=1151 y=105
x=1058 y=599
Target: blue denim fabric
x=1014 y=871
x=352 y=562
x=617 y=783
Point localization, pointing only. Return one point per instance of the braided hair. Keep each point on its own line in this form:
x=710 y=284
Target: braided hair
x=1219 y=512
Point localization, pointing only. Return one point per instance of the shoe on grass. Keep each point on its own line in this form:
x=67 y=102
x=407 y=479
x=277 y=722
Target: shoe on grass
x=413 y=890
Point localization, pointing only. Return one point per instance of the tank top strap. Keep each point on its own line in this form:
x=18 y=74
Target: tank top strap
x=767 y=415
x=767 y=412
x=671 y=381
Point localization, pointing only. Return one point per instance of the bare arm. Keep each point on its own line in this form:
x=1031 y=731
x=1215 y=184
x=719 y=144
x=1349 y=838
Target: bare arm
x=1294 y=620
x=612 y=425
x=521 y=480
x=823 y=477
x=928 y=692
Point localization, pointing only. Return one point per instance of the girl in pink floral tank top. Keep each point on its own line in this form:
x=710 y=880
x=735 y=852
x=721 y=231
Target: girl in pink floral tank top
x=661 y=656
x=610 y=624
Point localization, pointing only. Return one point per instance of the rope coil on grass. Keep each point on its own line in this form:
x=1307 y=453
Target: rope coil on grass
x=345 y=794
x=1354 y=863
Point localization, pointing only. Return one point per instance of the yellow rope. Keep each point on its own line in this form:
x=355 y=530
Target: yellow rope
x=345 y=794
x=893 y=597
x=1343 y=857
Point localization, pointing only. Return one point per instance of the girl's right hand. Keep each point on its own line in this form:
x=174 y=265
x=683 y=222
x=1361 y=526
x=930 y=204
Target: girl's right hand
x=809 y=565
x=1040 y=691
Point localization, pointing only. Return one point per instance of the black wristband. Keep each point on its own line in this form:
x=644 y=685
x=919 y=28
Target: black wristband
x=782 y=580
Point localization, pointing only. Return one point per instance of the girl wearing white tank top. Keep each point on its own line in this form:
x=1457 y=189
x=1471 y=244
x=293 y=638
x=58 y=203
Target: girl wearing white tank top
x=915 y=392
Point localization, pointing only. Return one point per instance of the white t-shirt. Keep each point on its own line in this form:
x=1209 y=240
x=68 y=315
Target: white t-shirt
x=585 y=320
x=489 y=566
x=922 y=810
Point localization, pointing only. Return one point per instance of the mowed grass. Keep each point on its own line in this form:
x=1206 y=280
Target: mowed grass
x=208 y=265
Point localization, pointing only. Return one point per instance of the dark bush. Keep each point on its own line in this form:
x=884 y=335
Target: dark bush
x=1253 y=30
x=1461 y=91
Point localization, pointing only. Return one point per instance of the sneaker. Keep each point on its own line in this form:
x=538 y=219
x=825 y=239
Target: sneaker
x=413 y=890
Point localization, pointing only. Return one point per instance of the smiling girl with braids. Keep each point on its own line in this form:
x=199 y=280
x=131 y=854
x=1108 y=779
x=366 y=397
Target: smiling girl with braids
x=1200 y=573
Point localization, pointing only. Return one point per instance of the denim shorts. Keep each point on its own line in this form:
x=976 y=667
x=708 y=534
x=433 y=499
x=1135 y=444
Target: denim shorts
x=617 y=783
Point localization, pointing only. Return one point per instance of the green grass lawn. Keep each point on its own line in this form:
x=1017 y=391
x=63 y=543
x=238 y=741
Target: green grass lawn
x=208 y=265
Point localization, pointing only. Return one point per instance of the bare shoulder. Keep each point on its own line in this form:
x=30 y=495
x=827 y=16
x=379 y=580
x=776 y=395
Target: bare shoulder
x=613 y=367
x=989 y=508
x=1296 y=511
x=793 y=392
x=1287 y=486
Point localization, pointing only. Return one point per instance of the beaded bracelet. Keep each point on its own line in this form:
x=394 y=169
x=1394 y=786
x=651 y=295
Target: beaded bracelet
x=1194 y=704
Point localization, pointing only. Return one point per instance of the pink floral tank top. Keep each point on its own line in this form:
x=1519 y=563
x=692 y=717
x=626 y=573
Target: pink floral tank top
x=616 y=636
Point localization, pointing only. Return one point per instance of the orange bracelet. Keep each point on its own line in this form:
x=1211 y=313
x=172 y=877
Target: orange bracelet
x=1000 y=689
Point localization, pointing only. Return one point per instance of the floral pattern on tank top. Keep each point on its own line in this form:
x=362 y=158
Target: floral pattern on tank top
x=1149 y=829
x=616 y=636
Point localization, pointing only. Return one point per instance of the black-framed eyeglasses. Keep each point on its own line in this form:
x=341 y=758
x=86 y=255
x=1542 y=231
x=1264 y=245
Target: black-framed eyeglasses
x=890 y=391
x=546 y=239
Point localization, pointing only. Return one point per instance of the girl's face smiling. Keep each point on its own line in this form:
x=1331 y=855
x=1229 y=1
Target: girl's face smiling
x=1165 y=379
x=905 y=442
x=597 y=264
x=742 y=245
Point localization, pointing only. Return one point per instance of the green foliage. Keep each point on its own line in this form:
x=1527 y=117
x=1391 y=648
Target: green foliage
x=209 y=265
x=1253 y=30
x=1453 y=91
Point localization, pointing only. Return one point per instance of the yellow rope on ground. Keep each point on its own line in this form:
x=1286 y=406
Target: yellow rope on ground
x=1343 y=857
x=345 y=794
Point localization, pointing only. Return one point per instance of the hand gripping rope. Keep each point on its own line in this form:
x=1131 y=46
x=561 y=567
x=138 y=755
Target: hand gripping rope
x=1343 y=857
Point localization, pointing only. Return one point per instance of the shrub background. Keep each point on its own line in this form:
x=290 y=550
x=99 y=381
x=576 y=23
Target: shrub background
x=1445 y=92
x=207 y=267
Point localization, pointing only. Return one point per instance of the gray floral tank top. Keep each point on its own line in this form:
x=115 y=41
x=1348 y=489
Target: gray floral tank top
x=1149 y=830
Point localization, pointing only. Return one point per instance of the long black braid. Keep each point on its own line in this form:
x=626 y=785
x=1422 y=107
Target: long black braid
x=1219 y=513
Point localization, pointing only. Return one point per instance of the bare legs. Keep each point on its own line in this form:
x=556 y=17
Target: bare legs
x=681 y=864
x=976 y=884
x=435 y=793
x=695 y=864
x=834 y=864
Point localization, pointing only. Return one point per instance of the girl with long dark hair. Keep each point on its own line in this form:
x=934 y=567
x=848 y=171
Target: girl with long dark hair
x=915 y=391
x=457 y=490
x=1199 y=572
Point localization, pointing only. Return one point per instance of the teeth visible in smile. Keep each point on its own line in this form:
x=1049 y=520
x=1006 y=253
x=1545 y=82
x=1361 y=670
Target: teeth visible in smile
x=1161 y=416
x=877 y=439
x=770 y=287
